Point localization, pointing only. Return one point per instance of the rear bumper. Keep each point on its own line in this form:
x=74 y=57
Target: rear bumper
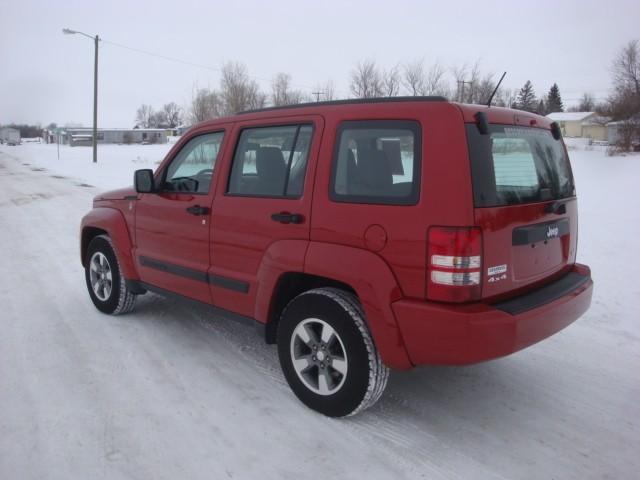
x=456 y=335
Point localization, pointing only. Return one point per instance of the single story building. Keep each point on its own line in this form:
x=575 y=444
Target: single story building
x=614 y=129
x=182 y=129
x=571 y=122
x=10 y=135
x=596 y=128
x=84 y=136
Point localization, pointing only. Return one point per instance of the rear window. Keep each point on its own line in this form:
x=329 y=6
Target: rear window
x=515 y=165
x=377 y=162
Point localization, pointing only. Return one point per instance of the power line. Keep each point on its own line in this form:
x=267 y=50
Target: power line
x=189 y=63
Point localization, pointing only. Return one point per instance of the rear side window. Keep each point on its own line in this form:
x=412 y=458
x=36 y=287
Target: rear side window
x=271 y=161
x=515 y=165
x=377 y=162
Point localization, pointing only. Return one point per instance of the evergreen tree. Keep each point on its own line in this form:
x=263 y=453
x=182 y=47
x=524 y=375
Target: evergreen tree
x=542 y=108
x=554 y=102
x=527 y=98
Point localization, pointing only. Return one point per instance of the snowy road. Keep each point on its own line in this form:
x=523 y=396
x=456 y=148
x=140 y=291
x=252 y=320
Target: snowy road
x=170 y=392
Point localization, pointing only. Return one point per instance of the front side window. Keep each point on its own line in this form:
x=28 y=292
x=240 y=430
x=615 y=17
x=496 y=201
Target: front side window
x=192 y=168
x=377 y=162
x=271 y=161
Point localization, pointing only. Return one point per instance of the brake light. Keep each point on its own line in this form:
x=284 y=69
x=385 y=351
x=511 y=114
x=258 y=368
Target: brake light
x=454 y=264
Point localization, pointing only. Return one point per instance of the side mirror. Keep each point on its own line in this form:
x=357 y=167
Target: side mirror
x=143 y=181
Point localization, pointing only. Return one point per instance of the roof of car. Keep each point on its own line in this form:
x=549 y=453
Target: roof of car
x=350 y=101
x=496 y=114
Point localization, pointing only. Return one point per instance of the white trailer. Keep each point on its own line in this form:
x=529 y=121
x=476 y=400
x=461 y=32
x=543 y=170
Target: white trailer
x=10 y=136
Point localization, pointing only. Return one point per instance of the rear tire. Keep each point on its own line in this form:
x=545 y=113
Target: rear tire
x=327 y=354
x=106 y=285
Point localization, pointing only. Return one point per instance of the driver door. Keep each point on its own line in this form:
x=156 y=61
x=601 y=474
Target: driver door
x=172 y=225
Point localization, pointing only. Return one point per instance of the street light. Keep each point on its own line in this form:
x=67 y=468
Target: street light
x=96 y=39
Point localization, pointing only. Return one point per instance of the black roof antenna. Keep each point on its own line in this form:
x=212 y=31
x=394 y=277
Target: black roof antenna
x=495 y=90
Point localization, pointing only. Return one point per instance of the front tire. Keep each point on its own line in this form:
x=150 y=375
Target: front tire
x=106 y=285
x=327 y=354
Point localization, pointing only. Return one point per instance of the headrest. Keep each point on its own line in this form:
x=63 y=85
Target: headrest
x=270 y=163
x=374 y=170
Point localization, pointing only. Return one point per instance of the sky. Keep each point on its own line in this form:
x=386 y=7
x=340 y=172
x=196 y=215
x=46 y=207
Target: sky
x=46 y=76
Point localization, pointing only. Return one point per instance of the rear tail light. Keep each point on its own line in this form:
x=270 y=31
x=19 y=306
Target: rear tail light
x=454 y=264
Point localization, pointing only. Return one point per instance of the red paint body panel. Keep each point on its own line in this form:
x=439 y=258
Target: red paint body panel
x=109 y=216
x=281 y=257
x=380 y=251
x=243 y=231
x=457 y=335
x=166 y=232
x=376 y=287
x=527 y=265
x=445 y=158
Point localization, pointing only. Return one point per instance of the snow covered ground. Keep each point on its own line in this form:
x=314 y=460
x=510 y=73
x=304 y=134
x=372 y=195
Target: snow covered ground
x=170 y=392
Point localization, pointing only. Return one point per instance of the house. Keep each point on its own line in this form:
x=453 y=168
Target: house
x=10 y=136
x=182 y=129
x=571 y=122
x=84 y=136
x=615 y=129
x=595 y=128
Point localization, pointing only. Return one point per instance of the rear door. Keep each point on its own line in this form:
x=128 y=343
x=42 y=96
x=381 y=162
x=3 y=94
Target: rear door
x=525 y=203
x=265 y=198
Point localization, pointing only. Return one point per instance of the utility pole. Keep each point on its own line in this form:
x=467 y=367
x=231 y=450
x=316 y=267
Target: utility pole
x=95 y=101
x=461 y=89
x=96 y=39
x=317 y=94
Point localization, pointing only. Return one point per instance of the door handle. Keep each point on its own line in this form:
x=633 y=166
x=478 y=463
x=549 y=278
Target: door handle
x=198 y=210
x=286 y=217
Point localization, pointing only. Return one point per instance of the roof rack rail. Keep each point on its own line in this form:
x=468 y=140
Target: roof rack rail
x=349 y=102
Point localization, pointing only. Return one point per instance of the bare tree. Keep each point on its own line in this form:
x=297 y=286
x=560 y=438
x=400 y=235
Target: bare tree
x=468 y=83
x=626 y=68
x=325 y=92
x=485 y=88
x=624 y=102
x=366 y=80
x=413 y=77
x=505 y=97
x=460 y=76
x=281 y=92
x=587 y=103
x=390 y=81
x=172 y=114
x=158 y=120
x=238 y=91
x=417 y=80
x=205 y=105
x=144 y=116
x=435 y=82
x=625 y=99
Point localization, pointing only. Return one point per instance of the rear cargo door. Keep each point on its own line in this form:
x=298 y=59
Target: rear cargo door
x=525 y=203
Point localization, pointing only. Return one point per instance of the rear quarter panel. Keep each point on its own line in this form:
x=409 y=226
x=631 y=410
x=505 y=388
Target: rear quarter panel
x=445 y=192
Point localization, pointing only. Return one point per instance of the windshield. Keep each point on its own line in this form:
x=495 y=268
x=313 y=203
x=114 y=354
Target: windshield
x=515 y=165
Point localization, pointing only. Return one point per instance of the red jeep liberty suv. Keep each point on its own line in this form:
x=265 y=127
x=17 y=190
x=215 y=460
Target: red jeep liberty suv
x=360 y=235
